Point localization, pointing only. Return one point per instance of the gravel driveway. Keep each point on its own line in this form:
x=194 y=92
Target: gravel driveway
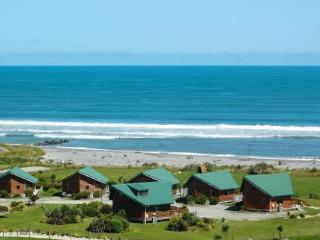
x=222 y=211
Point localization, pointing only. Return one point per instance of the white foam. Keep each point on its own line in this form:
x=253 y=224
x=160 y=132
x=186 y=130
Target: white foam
x=111 y=131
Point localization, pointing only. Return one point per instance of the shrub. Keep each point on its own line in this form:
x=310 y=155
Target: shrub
x=97 y=225
x=4 y=208
x=190 y=199
x=15 y=203
x=91 y=212
x=64 y=215
x=190 y=218
x=293 y=216
x=81 y=195
x=301 y=215
x=4 y=193
x=95 y=204
x=106 y=209
x=17 y=206
x=177 y=224
x=122 y=213
x=201 y=199
x=213 y=200
x=111 y=224
x=97 y=194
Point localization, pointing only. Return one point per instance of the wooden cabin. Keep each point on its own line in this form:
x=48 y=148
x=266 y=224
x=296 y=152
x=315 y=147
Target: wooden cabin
x=143 y=202
x=159 y=175
x=271 y=192
x=86 y=179
x=213 y=184
x=17 y=181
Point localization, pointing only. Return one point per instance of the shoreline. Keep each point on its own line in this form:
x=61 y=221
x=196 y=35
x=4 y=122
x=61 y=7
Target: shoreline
x=105 y=157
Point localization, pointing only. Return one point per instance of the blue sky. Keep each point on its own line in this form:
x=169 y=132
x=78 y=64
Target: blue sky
x=159 y=32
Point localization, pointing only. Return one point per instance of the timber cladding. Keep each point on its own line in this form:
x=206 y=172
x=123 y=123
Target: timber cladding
x=136 y=212
x=256 y=199
x=15 y=185
x=196 y=188
x=79 y=183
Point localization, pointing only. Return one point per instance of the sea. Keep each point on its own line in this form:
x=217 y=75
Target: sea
x=267 y=111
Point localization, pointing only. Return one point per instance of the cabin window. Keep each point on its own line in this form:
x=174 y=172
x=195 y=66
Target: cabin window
x=18 y=187
x=87 y=187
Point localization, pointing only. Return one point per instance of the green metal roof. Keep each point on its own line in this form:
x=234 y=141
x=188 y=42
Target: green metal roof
x=94 y=174
x=275 y=185
x=137 y=186
x=18 y=172
x=159 y=193
x=161 y=174
x=220 y=180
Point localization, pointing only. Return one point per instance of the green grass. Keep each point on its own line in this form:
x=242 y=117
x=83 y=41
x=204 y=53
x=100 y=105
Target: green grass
x=238 y=229
x=20 y=155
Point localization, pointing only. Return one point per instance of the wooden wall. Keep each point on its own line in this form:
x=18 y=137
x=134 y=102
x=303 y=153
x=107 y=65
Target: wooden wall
x=197 y=188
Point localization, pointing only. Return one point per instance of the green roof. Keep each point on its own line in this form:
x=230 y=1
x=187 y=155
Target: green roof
x=138 y=187
x=18 y=172
x=159 y=193
x=94 y=174
x=219 y=180
x=275 y=185
x=161 y=174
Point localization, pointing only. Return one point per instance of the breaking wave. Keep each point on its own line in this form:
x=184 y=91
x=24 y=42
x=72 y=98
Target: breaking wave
x=111 y=131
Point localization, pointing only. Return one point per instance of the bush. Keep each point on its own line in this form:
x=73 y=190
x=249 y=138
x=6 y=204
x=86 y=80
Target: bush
x=301 y=215
x=95 y=204
x=4 y=208
x=190 y=218
x=293 y=216
x=97 y=226
x=111 y=224
x=122 y=213
x=17 y=206
x=91 y=212
x=97 y=194
x=91 y=209
x=81 y=195
x=106 y=209
x=4 y=193
x=190 y=199
x=201 y=199
x=15 y=203
x=64 y=215
x=177 y=224
x=213 y=200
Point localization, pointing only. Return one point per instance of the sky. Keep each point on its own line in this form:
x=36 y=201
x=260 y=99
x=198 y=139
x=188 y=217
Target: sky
x=137 y=32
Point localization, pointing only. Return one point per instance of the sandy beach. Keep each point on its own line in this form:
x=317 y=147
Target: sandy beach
x=97 y=157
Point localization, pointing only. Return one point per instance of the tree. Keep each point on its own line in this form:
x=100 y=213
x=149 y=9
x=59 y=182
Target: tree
x=280 y=230
x=225 y=229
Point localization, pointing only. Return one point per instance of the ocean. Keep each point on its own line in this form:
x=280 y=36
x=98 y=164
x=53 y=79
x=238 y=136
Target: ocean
x=246 y=111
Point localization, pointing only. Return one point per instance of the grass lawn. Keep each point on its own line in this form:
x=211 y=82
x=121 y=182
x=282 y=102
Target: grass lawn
x=238 y=229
